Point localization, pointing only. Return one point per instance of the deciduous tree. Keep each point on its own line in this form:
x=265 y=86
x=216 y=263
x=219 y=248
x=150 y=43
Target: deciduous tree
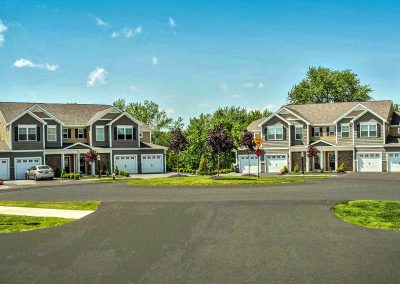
x=219 y=141
x=178 y=143
x=247 y=142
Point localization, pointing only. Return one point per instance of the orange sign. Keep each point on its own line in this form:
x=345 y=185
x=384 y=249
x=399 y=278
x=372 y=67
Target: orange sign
x=258 y=140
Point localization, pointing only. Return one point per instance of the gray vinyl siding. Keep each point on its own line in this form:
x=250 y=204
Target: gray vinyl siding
x=27 y=145
x=368 y=117
x=106 y=142
x=343 y=141
x=303 y=141
x=275 y=121
x=53 y=144
x=125 y=143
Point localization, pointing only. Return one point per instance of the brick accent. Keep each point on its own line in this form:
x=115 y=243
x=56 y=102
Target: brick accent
x=54 y=161
x=346 y=157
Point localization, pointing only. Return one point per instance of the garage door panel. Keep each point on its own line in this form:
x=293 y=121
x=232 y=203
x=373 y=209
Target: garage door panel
x=394 y=162
x=21 y=165
x=152 y=163
x=246 y=162
x=369 y=162
x=274 y=163
x=126 y=163
x=4 y=169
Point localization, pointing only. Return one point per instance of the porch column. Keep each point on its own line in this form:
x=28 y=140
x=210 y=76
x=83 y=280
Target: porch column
x=336 y=159
x=307 y=163
x=93 y=168
x=62 y=162
x=111 y=163
x=322 y=160
x=77 y=162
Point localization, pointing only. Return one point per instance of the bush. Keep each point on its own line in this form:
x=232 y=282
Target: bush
x=284 y=170
x=296 y=169
x=70 y=175
x=116 y=171
x=124 y=173
x=341 y=168
x=202 y=165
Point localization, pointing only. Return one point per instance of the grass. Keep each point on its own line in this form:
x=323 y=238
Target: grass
x=206 y=181
x=377 y=214
x=13 y=223
x=71 y=205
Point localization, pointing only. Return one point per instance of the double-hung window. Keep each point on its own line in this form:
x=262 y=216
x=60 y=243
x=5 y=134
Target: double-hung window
x=81 y=133
x=299 y=132
x=345 y=130
x=368 y=130
x=27 y=133
x=275 y=132
x=331 y=130
x=99 y=133
x=124 y=132
x=66 y=133
x=317 y=131
x=51 y=133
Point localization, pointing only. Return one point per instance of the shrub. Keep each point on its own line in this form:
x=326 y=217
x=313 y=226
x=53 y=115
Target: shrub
x=124 y=173
x=57 y=172
x=77 y=176
x=1 y=181
x=341 y=168
x=104 y=170
x=296 y=169
x=116 y=171
x=284 y=170
x=202 y=165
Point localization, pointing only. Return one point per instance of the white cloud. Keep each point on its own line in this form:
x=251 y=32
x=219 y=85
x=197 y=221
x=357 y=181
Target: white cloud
x=248 y=85
x=22 y=62
x=134 y=88
x=237 y=96
x=3 y=29
x=115 y=34
x=270 y=107
x=154 y=60
x=224 y=87
x=169 y=110
x=127 y=32
x=171 y=22
x=260 y=85
x=97 y=77
x=101 y=23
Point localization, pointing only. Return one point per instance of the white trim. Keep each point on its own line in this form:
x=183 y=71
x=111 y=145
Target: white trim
x=388 y=169
x=110 y=136
x=274 y=154
x=27 y=112
x=290 y=111
x=47 y=133
x=90 y=135
x=26 y=127
x=104 y=134
x=124 y=127
x=363 y=153
x=348 y=112
x=52 y=116
x=369 y=124
x=323 y=141
x=96 y=117
x=275 y=127
x=79 y=143
x=128 y=155
x=271 y=116
x=364 y=112
x=83 y=133
x=128 y=116
x=341 y=130
x=295 y=132
x=24 y=158
x=8 y=167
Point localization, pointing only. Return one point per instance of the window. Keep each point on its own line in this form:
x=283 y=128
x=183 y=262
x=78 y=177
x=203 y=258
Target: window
x=275 y=133
x=81 y=133
x=125 y=132
x=51 y=133
x=299 y=132
x=345 y=130
x=331 y=130
x=99 y=133
x=27 y=133
x=66 y=133
x=368 y=130
x=317 y=131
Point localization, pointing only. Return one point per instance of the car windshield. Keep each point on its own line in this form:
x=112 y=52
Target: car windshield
x=43 y=167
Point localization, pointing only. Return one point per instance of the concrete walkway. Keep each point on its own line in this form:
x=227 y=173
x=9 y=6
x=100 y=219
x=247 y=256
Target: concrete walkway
x=42 y=212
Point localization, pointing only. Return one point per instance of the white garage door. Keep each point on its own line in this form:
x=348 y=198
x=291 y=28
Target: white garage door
x=394 y=162
x=152 y=164
x=24 y=164
x=274 y=163
x=126 y=163
x=369 y=162
x=246 y=162
x=4 y=169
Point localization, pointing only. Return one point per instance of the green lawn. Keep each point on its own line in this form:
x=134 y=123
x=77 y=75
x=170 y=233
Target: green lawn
x=13 y=223
x=72 y=205
x=376 y=214
x=206 y=181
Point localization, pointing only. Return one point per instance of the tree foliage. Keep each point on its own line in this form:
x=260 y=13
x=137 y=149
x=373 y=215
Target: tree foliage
x=177 y=144
x=323 y=85
x=247 y=141
x=396 y=107
x=219 y=141
x=91 y=156
x=312 y=151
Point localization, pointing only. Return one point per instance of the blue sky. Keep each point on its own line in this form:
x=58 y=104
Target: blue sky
x=191 y=56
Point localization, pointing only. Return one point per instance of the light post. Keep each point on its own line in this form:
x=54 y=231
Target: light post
x=302 y=163
x=98 y=165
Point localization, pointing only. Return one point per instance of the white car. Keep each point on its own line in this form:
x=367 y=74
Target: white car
x=40 y=172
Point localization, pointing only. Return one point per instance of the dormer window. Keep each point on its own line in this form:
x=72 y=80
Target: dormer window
x=27 y=132
x=51 y=133
x=299 y=132
x=275 y=132
x=368 y=130
x=125 y=132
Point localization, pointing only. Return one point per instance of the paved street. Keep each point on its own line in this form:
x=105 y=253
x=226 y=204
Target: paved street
x=274 y=233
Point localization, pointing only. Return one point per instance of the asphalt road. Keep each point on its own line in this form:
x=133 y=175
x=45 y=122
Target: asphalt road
x=275 y=233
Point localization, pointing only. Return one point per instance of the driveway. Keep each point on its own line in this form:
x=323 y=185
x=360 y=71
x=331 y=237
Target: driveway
x=274 y=233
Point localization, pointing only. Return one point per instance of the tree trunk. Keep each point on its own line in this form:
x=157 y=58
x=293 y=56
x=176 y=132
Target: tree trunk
x=218 y=165
x=248 y=156
x=177 y=163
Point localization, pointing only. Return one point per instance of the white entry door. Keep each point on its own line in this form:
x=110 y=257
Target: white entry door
x=152 y=163
x=246 y=162
x=274 y=163
x=23 y=164
x=4 y=169
x=394 y=162
x=369 y=162
x=126 y=163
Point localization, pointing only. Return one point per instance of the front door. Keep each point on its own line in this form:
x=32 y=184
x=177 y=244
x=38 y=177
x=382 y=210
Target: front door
x=332 y=161
x=317 y=163
x=82 y=165
x=67 y=166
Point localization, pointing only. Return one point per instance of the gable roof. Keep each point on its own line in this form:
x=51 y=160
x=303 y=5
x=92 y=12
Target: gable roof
x=326 y=113
x=255 y=125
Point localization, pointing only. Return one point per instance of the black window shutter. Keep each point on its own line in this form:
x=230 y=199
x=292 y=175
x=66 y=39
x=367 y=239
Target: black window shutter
x=134 y=134
x=284 y=133
x=84 y=133
x=266 y=133
x=76 y=133
x=378 y=129
x=38 y=134
x=69 y=133
x=320 y=131
x=313 y=132
x=358 y=131
x=115 y=133
x=16 y=133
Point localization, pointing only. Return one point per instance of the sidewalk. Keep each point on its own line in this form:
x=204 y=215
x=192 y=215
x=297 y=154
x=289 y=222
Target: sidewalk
x=40 y=212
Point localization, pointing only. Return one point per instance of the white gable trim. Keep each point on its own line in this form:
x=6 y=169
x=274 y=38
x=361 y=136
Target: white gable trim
x=127 y=115
x=272 y=116
x=100 y=114
x=78 y=144
x=348 y=112
x=46 y=112
x=27 y=112
x=370 y=111
x=322 y=141
x=290 y=111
